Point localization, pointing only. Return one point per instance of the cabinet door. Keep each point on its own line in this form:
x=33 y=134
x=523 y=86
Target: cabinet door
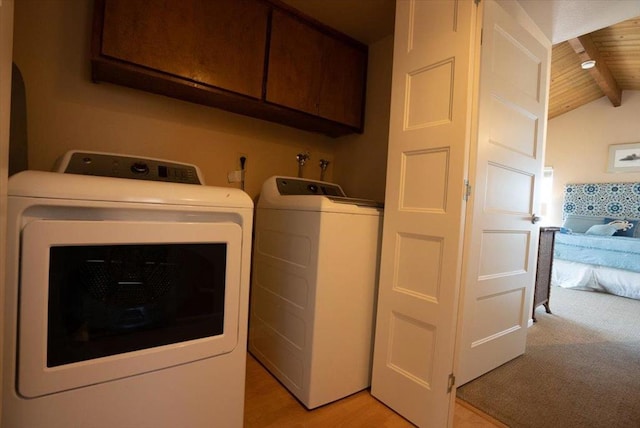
x=315 y=72
x=295 y=64
x=344 y=74
x=220 y=43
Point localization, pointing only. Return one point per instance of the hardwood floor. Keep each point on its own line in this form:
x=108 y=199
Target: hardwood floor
x=269 y=404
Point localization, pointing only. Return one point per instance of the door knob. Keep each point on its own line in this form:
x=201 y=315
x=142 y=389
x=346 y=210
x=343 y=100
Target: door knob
x=534 y=218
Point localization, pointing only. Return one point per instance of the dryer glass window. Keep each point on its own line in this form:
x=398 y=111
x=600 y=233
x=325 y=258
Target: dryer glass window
x=111 y=299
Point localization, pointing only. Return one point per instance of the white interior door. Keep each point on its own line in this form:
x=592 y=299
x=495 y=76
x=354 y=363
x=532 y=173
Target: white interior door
x=506 y=170
x=420 y=270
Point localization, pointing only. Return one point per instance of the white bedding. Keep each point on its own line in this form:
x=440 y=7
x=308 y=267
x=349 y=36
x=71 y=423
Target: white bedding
x=595 y=278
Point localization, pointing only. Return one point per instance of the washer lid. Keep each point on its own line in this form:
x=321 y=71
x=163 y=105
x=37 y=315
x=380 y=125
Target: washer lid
x=356 y=201
x=53 y=185
x=309 y=195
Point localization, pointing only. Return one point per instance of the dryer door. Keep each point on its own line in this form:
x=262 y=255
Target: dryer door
x=103 y=300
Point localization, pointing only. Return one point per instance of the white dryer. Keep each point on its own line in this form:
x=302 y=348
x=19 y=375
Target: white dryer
x=314 y=283
x=126 y=300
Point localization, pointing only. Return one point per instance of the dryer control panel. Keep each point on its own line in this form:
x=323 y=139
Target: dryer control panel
x=124 y=166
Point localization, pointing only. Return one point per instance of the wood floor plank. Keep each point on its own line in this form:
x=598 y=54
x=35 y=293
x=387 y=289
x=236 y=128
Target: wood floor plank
x=269 y=404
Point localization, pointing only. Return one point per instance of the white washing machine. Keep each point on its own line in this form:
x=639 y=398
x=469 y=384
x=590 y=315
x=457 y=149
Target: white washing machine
x=126 y=299
x=314 y=283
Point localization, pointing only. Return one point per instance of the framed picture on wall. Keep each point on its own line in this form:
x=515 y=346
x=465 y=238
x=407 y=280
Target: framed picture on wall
x=624 y=157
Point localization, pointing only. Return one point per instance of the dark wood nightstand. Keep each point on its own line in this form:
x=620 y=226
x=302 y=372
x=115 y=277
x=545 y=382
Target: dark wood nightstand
x=543 y=271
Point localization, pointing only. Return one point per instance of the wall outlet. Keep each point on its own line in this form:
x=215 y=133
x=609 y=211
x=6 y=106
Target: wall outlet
x=235 y=176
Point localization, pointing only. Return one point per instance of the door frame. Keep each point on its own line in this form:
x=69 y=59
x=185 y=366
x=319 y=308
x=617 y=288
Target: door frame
x=6 y=55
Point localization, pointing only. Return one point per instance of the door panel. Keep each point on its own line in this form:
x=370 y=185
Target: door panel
x=512 y=246
x=501 y=240
x=512 y=62
x=424 y=166
x=412 y=251
x=295 y=58
x=514 y=198
x=219 y=43
x=517 y=130
x=314 y=72
x=342 y=89
x=435 y=80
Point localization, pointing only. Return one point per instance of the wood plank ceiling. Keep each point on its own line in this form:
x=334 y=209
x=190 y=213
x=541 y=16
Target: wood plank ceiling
x=616 y=50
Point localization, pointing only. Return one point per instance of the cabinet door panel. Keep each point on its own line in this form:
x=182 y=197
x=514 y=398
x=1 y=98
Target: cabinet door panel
x=341 y=97
x=295 y=64
x=314 y=72
x=220 y=43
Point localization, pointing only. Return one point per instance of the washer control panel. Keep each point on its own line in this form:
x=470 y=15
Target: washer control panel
x=123 y=166
x=292 y=186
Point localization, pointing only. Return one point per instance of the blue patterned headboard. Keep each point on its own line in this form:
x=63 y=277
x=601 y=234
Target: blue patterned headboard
x=602 y=200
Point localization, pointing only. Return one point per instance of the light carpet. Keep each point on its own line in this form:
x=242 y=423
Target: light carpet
x=581 y=367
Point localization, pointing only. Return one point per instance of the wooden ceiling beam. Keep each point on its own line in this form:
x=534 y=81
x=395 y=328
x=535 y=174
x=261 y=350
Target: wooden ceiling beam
x=586 y=50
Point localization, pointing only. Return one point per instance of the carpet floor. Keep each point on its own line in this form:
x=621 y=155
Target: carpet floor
x=581 y=367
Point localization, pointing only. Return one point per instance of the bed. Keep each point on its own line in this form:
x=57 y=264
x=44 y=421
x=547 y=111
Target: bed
x=598 y=247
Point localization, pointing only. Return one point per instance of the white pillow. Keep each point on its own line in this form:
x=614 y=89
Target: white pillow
x=601 y=230
x=581 y=223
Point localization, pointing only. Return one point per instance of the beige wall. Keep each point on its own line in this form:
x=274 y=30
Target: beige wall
x=361 y=161
x=65 y=110
x=578 y=144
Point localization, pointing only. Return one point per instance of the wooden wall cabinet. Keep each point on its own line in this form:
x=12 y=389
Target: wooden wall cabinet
x=254 y=57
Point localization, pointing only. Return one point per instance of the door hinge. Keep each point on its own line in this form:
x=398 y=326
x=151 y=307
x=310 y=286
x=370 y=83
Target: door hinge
x=452 y=381
x=467 y=190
